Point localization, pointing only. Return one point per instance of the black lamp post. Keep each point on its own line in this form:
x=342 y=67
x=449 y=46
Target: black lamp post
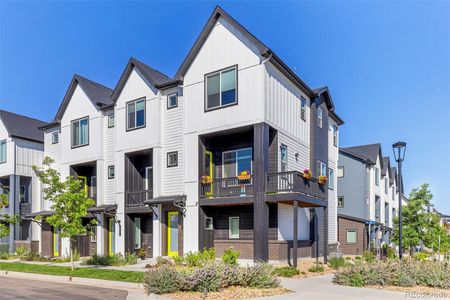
x=399 y=149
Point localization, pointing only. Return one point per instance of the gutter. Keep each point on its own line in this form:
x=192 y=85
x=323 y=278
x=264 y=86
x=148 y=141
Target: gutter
x=169 y=84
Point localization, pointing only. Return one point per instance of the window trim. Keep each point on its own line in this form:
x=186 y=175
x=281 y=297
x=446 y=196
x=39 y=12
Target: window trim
x=145 y=114
x=56 y=132
x=170 y=153
x=356 y=236
x=236 y=150
x=319 y=170
x=230 y=236
x=205 y=89
x=113 y=117
x=6 y=151
x=343 y=201
x=206 y=223
x=71 y=133
x=94 y=234
x=168 y=100
x=114 y=171
x=320 y=125
x=283 y=146
x=303 y=109
x=331 y=179
x=377 y=176
x=335 y=135
x=343 y=171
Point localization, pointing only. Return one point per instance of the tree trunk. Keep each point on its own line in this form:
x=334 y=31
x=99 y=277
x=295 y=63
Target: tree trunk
x=71 y=254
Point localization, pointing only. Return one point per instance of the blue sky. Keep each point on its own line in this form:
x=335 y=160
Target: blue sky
x=387 y=64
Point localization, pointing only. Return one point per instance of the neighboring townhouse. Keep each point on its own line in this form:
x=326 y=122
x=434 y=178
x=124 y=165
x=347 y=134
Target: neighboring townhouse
x=367 y=198
x=21 y=147
x=81 y=141
x=214 y=157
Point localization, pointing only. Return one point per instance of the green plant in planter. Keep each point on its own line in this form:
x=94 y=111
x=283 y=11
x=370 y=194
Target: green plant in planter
x=142 y=252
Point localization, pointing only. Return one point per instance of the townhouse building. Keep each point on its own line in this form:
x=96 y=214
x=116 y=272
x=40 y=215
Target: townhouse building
x=221 y=155
x=21 y=147
x=367 y=198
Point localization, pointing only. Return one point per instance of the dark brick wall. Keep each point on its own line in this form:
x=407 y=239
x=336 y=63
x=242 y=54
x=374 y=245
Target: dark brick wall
x=360 y=245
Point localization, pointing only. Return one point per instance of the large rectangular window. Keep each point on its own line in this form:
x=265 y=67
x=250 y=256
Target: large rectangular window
x=2 y=151
x=221 y=88
x=136 y=114
x=80 y=132
x=233 y=228
x=352 y=236
x=236 y=161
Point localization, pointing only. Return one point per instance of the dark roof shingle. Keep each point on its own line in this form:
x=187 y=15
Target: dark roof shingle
x=367 y=153
x=22 y=126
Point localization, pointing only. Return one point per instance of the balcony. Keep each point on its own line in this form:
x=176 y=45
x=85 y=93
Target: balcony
x=293 y=182
x=227 y=187
x=136 y=199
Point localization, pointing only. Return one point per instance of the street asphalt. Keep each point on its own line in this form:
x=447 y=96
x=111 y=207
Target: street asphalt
x=25 y=289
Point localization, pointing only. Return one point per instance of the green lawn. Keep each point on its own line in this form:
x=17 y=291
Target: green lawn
x=116 y=275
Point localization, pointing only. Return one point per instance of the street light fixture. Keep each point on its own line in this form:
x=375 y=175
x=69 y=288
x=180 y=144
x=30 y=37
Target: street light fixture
x=399 y=149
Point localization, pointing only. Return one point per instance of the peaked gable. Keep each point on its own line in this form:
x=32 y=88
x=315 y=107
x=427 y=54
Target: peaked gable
x=99 y=95
x=367 y=153
x=22 y=126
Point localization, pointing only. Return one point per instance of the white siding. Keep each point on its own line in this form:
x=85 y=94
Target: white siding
x=333 y=154
x=286 y=219
x=109 y=143
x=173 y=140
x=7 y=167
x=294 y=146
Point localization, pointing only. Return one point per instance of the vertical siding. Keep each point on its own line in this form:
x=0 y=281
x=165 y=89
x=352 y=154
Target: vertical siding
x=53 y=151
x=285 y=223
x=294 y=146
x=332 y=193
x=173 y=140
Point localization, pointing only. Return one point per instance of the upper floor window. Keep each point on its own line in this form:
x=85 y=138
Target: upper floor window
x=55 y=137
x=3 y=151
x=331 y=180
x=340 y=203
x=340 y=173
x=221 y=88
x=110 y=120
x=172 y=159
x=386 y=186
x=136 y=114
x=172 y=100
x=236 y=161
x=319 y=117
x=80 y=132
x=321 y=169
x=303 y=108
x=284 y=161
x=335 y=135
x=111 y=172
x=377 y=176
x=393 y=193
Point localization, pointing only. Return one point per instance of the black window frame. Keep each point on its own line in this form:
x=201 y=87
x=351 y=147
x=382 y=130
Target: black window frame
x=168 y=100
x=303 y=109
x=211 y=222
x=6 y=151
x=343 y=201
x=171 y=153
x=71 y=132
x=113 y=117
x=320 y=125
x=205 y=88
x=113 y=168
x=56 y=132
x=335 y=135
x=145 y=114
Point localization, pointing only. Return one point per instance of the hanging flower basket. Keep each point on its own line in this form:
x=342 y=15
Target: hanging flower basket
x=206 y=179
x=244 y=175
x=306 y=174
x=323 y=179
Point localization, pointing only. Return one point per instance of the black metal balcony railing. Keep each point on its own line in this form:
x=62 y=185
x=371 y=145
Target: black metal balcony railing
x=134 y=199
x=227 y=187
x=25 y=208
x=293 y=182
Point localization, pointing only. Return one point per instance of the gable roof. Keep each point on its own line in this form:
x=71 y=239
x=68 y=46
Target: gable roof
x=386 y=166
x=393 y=176
x=22 y=126
x=154 y=77
x=98 y=94
x=367 y=153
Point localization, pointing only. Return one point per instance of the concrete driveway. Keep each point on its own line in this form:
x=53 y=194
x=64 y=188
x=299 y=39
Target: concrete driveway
x=321 y=288
x=26 y=289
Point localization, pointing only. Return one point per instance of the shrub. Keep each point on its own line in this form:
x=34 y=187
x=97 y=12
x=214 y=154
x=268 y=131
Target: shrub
x=115 y=260
x=317 y=268
x=390 y=253
x=5 y=255
x=178 y=260
x=337 y=262
x=348 y=258
x=161 y=261
x=208 y=255
x=162 y=280
x=398 y=273
x=21 y=251
x=206 y=279
x=286 y=271
x=231 y=275
x=230 y=256
x=192 y=259
x=261 y=276
x=422 y=256
x=368 y=256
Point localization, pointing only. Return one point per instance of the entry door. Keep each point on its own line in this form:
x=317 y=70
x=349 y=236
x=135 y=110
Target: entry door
x=172 y=233
x=209 y=169
x=56 y=242
x=111 y=237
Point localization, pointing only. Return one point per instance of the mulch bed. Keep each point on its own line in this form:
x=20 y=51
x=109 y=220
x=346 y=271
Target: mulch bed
x=235 y=293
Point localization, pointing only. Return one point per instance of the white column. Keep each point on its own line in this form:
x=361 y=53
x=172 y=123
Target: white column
x=157 y=231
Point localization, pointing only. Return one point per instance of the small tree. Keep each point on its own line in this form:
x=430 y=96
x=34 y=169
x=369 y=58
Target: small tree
x=5 y=220
x=420 y=225
x=69 y=203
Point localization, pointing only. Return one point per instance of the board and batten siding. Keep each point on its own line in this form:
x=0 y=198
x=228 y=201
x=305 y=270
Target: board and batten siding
x=286 y=220
x=294 y=146
x=109 y=144
x=173 y=141
x=333 y=154
x=7 y=168
x=282 y=105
